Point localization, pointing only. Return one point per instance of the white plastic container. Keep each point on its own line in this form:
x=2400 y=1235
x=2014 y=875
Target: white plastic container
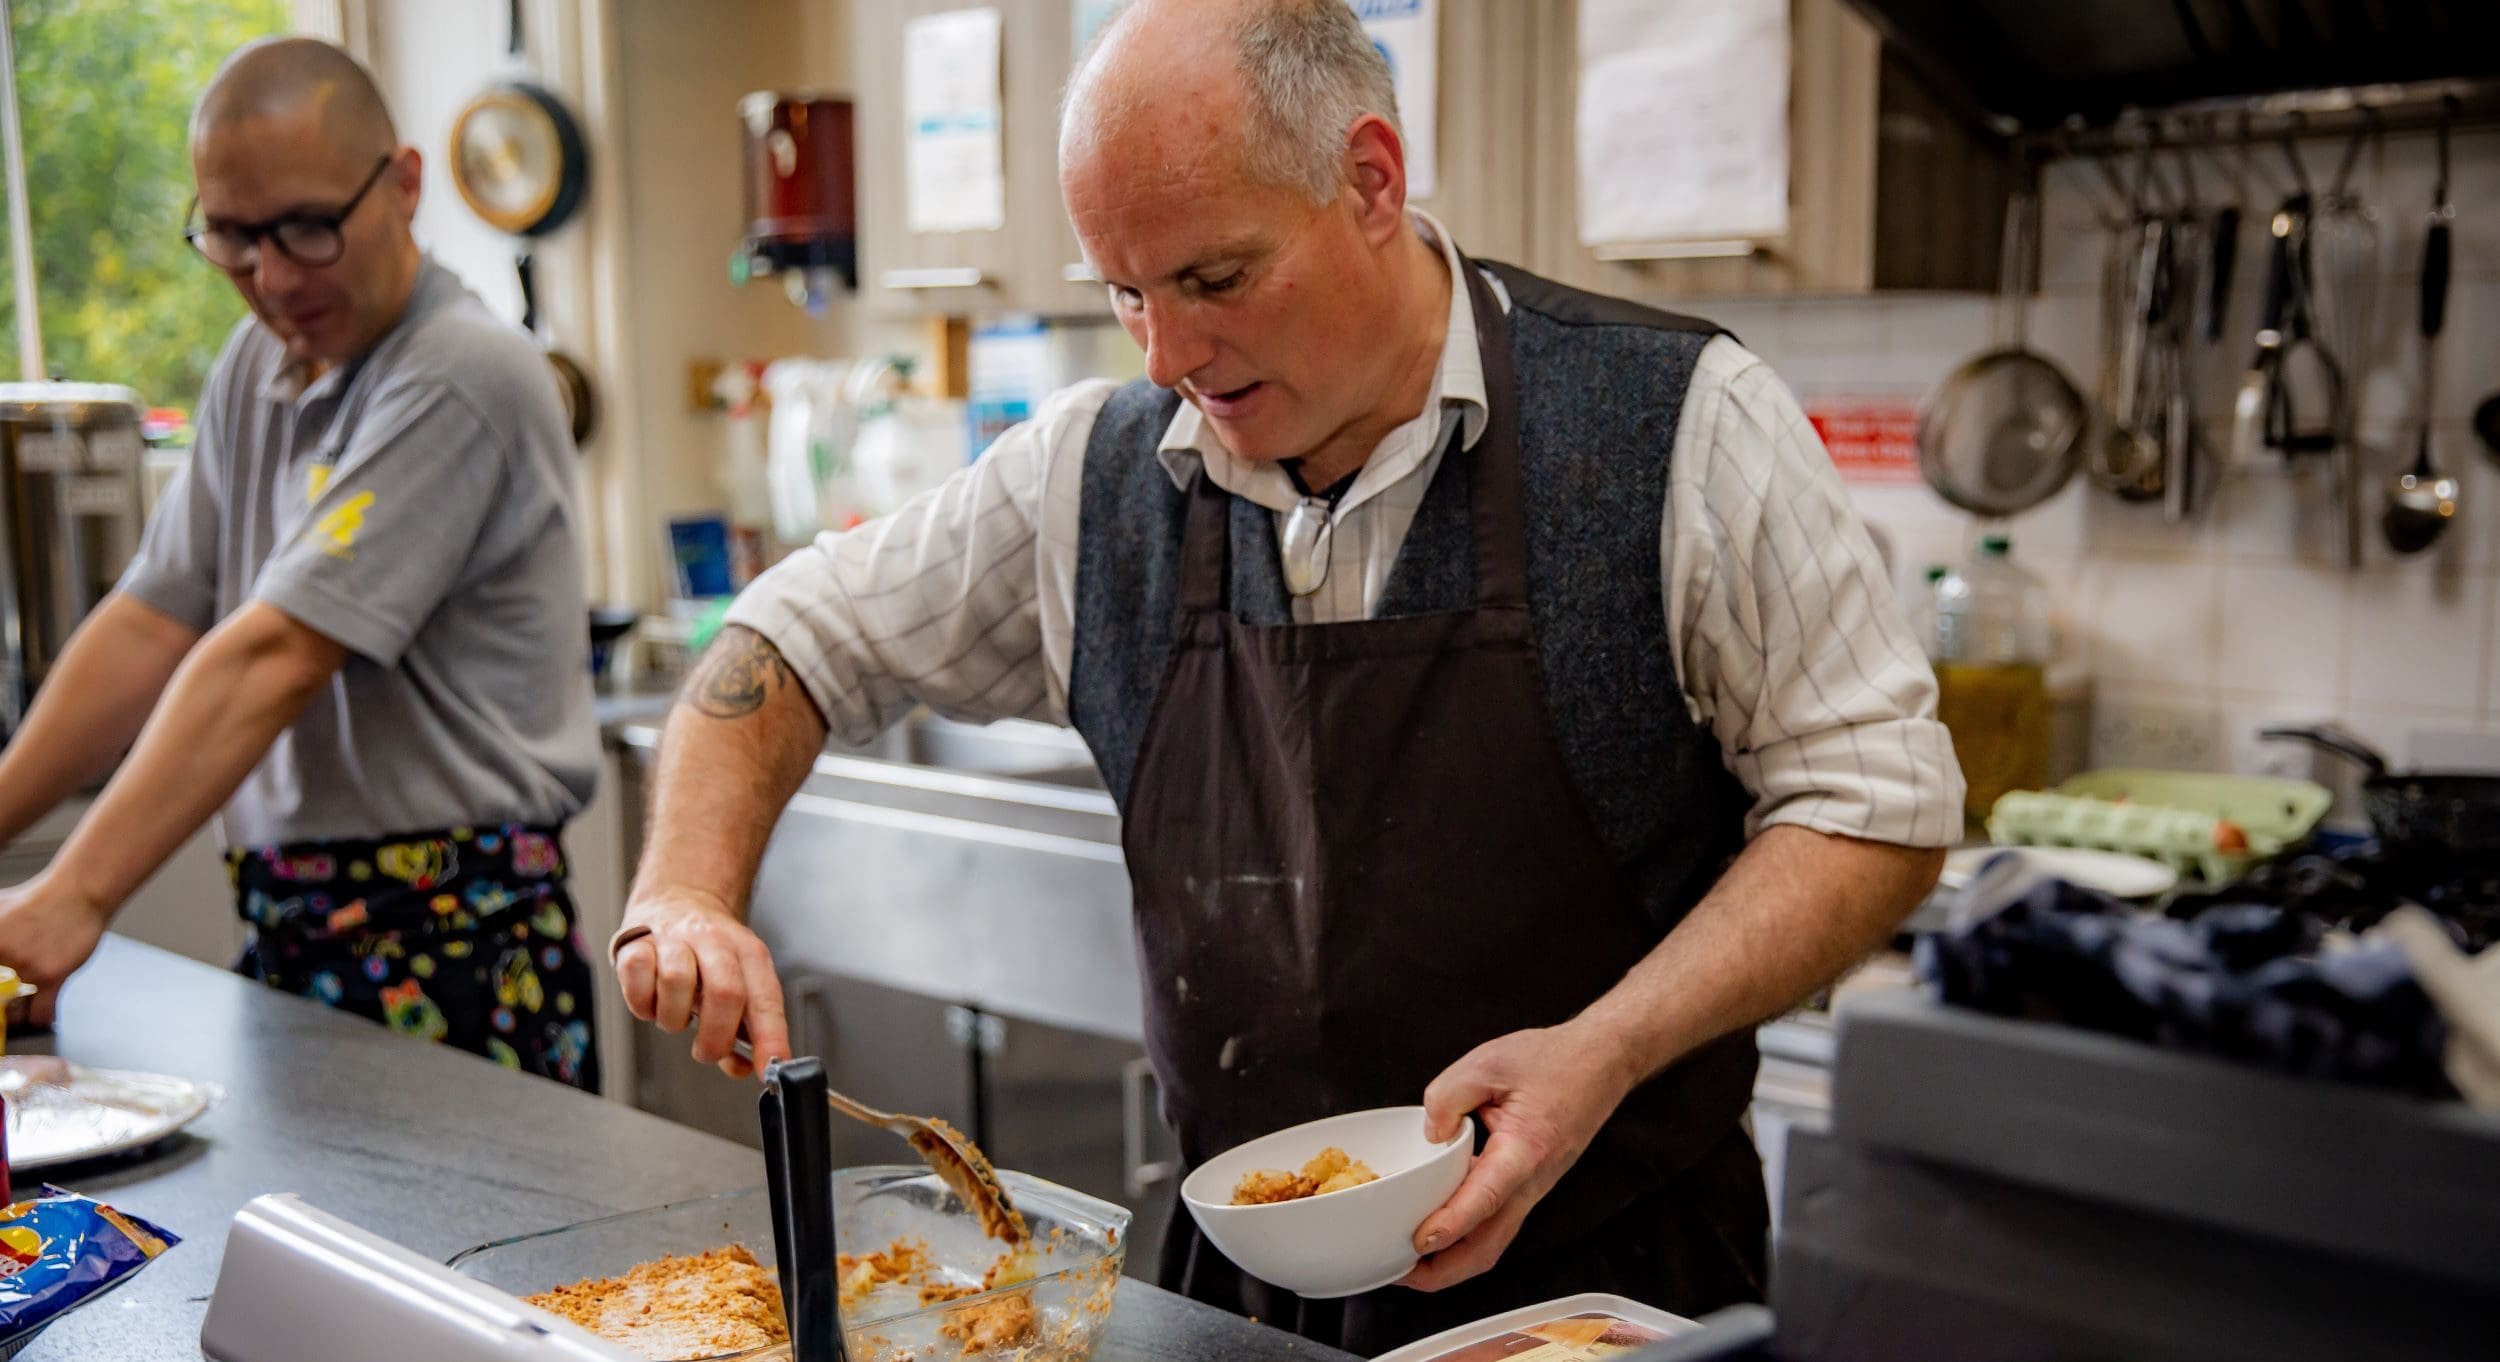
x=1992 y=612
x=907 y=449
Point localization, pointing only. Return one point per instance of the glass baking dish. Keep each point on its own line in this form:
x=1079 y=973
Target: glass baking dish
x=1078 y=1245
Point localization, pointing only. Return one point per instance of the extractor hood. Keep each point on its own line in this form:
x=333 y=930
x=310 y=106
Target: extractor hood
x=2037 y=63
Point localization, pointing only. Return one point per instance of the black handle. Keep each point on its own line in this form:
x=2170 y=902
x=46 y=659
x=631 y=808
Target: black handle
x=2332 y=740
x=526 y=267
x=798 y=1171
x=512 y=26
x=2226 y=255
x=2436 y=258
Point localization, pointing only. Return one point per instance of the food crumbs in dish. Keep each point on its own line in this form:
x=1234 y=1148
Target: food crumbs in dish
x=1006 y=1322
x=1331 y=1170
x=862 y=1273
x=680 y=1307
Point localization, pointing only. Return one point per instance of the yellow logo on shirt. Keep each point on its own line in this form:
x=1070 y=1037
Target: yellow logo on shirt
x=342 y=525
x=317 y=481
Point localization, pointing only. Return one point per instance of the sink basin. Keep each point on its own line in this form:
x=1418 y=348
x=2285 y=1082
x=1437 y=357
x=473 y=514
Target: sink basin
x=1012 y=748
x=979 y=864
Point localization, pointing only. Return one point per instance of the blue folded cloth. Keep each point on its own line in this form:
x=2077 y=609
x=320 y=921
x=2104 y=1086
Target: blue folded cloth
x=2243 y=981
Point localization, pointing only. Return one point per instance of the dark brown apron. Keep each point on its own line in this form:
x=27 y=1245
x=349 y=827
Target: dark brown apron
x=1357 y=854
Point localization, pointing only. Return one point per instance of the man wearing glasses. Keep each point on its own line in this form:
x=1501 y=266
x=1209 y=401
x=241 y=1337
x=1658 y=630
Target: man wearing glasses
x=355 y=630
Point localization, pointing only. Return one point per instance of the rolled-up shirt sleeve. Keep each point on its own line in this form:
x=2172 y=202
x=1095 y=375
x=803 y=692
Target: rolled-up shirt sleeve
x=1794 y=648
x=937 y=603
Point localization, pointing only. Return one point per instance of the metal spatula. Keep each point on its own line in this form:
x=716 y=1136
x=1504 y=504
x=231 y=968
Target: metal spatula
x=957 y=1161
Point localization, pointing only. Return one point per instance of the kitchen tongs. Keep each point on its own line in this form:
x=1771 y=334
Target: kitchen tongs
x=798 y=1168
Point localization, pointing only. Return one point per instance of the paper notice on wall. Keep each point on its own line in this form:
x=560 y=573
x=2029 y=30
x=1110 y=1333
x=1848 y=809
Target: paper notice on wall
x=1408 y=34
x=1683 y=120
x=953 y=160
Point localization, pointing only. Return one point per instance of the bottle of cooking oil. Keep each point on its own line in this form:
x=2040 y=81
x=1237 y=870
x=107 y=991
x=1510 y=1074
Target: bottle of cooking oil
x=1991 y=648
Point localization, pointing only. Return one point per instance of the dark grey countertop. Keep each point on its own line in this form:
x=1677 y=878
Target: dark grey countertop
x=426 y=1146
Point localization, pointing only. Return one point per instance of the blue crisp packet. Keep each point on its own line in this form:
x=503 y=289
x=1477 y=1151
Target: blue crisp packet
x=60 y=1251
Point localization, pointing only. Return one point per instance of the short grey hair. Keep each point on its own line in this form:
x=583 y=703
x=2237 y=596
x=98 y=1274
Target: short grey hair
x=1309 y=72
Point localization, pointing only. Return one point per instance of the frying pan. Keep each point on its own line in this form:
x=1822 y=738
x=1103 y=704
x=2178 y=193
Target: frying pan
x=2003 y=432
x=2419 y=815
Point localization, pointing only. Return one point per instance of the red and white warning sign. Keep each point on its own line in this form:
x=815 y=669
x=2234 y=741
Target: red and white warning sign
x=1871 y=439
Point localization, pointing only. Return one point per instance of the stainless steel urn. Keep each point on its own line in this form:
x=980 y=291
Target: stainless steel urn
x=70 y=483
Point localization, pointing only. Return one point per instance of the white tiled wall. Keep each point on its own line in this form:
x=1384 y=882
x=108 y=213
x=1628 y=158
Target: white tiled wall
x=2245 y=614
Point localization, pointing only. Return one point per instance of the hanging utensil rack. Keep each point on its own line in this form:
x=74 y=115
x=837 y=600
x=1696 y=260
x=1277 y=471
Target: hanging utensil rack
x=2216 y=124
x=2023 y=65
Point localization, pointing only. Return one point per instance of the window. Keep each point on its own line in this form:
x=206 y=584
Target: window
x=104 y=91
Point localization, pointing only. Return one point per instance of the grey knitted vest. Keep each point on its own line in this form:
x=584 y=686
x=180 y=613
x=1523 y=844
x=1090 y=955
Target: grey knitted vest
x=1601 y=383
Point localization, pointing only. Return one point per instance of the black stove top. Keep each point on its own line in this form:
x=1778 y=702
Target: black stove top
x=2354 y=887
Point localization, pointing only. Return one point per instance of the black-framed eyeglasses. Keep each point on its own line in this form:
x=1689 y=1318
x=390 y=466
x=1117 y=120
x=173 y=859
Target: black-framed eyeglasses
x=309 y=239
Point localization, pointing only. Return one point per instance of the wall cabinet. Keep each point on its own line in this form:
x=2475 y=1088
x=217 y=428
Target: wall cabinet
x=908 y=273
x=1485 y=155
x=1033 y=262
x=1887 y=190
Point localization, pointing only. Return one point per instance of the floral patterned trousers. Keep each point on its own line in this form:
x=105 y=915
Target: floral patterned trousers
x=464 y=936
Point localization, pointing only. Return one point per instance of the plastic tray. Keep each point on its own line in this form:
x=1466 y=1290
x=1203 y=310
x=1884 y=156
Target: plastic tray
x=1583 y=1328
x=2167 y=816
x=1079 y=1244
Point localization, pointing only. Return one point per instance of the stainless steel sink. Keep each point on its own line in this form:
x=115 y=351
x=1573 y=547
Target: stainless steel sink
x=980 y=864
x=1010 y=747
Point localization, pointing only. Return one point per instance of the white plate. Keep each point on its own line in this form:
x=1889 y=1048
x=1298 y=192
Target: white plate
x=1647 y=1320
x=64 y=1113
x=2113 y=873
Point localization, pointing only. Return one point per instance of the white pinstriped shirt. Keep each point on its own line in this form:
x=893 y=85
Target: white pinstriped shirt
x=1789 y=641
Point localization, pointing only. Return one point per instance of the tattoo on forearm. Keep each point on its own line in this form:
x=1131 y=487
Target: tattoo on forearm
x=739 y=672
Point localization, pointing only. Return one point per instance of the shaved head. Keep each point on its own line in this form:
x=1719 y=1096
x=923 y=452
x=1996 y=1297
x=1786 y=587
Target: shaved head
x=280 y=79
x=293 y=130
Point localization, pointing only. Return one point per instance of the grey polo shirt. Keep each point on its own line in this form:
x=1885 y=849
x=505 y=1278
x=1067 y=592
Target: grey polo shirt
x=422 y=507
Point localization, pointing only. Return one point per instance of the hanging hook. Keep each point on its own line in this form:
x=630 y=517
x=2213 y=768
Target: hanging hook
x=2141 y=203
x=2352 y=151
x=2064 y=139
x=2205 y=138
x=2249 y=165
x=2297 y=123
x=2447 y=115
x=2183 y=170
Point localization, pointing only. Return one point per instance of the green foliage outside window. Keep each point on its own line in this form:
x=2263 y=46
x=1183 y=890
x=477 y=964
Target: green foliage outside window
x=104 y=91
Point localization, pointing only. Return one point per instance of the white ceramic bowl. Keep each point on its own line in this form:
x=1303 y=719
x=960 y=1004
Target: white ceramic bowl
x=1344 y=1242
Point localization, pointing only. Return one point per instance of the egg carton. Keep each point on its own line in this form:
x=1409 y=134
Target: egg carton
x=2210 y=828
